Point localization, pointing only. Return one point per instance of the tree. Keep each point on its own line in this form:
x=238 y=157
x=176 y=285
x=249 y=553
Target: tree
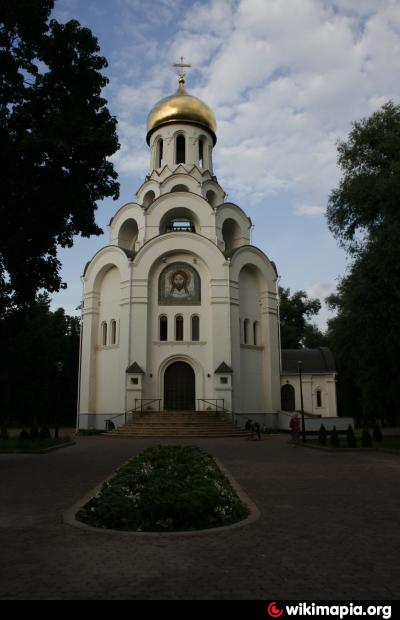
x=363 y=215
x=296 y=331
x=56 y=135
x=31 y=387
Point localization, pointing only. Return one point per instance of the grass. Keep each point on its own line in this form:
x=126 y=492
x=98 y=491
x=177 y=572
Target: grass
x=166 y=488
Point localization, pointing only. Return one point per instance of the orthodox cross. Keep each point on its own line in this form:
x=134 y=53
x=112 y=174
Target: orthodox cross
x=181 y=66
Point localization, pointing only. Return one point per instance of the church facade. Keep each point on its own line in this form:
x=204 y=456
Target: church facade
x=180 y=310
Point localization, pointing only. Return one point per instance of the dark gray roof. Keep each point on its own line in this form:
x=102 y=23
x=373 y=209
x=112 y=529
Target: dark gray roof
x=134 y=369
x=313 y=360
x=223 y=369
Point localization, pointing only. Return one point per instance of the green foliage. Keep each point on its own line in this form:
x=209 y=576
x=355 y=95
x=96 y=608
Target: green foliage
x=295 y=310
x=366 y=441
x=165 y=488
x=33 y=342
x=34 y=433
x=44 y=433
x=351 y=438
x=322 y=436
x=3 y=433
x=56 y=136
x=377 y=432
x=363 y=215
x=24 y=435
x=334 y=438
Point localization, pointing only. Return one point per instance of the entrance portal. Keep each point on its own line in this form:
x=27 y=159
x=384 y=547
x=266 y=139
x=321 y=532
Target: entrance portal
x=179 y=387
x=287 y=398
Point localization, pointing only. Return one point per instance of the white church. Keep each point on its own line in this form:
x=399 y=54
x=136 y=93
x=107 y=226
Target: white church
x=180 y=310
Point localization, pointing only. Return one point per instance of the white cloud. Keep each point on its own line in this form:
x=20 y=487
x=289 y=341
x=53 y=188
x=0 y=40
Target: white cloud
x=309 y=210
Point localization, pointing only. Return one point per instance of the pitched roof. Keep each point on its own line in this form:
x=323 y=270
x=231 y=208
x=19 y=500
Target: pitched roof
x=223 y=369
x=317 y=361
x=134 y=369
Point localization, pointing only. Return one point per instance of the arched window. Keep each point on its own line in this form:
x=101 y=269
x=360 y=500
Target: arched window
x=319 y=398
x=246 y=331
x=159 y=153
x=113 y=329
x=201 y=153
x=180 y=149
x=287 y=397
x=104 y=333
x=256 y=332
x=179 y=327
x=163 y=328
x=195 y=328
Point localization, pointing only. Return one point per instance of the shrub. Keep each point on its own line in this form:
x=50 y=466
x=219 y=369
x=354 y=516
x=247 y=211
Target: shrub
x=165 y=488
x=377 y=432
x=334 y=438
x=322 y=436
x=44 y=433
x=24 y=435
x=4 y=433
x=351 y=438
x=34 y=433
x=366 y=441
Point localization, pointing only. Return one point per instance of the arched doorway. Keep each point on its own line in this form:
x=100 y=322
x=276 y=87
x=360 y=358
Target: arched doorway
x=287 y=398
x=179 y=387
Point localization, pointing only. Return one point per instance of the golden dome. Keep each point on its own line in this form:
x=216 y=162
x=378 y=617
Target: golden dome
x=181 y=108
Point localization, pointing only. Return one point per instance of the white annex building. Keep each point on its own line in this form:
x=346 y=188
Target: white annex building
x=180 y=310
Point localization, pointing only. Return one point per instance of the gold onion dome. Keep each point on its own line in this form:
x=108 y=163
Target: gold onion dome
x=181 y=108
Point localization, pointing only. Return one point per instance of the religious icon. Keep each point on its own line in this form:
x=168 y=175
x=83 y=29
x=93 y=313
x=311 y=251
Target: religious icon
x=179 y=284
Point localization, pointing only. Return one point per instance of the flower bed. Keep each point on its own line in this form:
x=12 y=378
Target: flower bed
x=166 y=488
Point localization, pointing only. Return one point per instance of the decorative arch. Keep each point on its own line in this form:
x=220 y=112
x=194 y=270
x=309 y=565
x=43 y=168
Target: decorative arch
x=180 y=188
x=180 y=148
x=231 y=234
x=179 y=219
x=193 y=363
x=128 y=234
x=148 y=198
x=211 y=197
x=288 y=397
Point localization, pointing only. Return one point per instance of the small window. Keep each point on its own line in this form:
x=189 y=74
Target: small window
x=179 y=328
x=163 y=328
x=201 y=153
x=160 y=153
x=134 y=381
x=224 y=380
x=256 y=333
x=180 y=156
x=195 y=328
x=246 y=331
x=104 y=334
x=113 y=332
x=319 y=398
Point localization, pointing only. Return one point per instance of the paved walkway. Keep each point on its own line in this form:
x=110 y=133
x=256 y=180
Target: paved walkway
x=329 y=528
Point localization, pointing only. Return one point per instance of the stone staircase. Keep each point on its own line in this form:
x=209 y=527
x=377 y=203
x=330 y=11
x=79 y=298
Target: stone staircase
x=179 y=424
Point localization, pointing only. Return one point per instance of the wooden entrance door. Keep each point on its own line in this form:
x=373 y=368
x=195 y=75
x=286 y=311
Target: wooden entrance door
x=179 y=387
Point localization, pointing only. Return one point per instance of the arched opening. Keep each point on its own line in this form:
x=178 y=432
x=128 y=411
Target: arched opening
x=159 y=153
x=195 y=328
x=163 y=328
x=180 y=149
x=148 y=198
x=246 y=331
x=180 y=188
x=319 y=398
x=201 y=152
x=179 y=387
x=179 y=327
x=104 y=334
x=231 y=234
x=212 y=198
x=179 y=220
x=287 y=397
x=256 y=332
x=113 y=330
x=128 y=234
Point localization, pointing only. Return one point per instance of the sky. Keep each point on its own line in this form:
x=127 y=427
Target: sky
x=285 y=79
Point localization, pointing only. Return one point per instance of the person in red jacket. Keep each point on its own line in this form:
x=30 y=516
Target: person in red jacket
x=295 y=426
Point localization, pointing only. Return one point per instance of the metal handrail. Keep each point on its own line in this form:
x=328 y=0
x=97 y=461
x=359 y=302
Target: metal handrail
x=148 y=401
x=212 y=401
